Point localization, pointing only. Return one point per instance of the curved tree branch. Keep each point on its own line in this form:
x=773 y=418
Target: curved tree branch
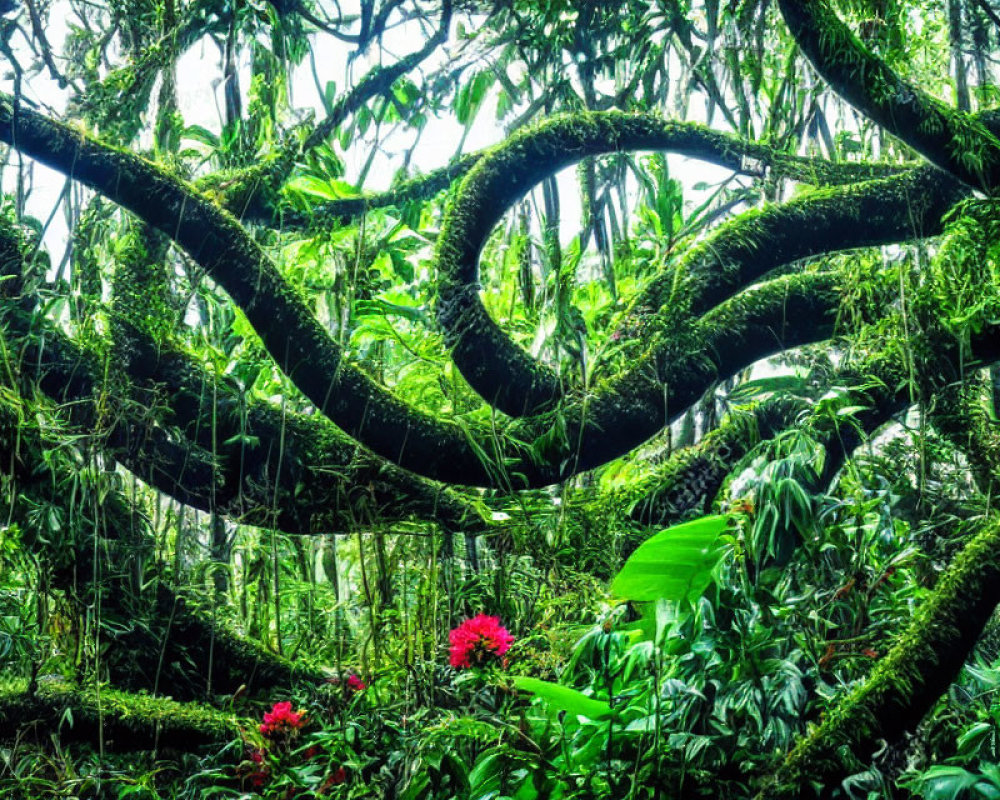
x=691 y=477
x=539 y=451
x=755 y=160
x=957 y=142
x=870 y=213
x=769 y=318
x=689 y=480
x=961 y=415
x=123 y=722
x=257 y=464
x=282 y=469
x=320 y=483
x=163 y=642
x=293 y=336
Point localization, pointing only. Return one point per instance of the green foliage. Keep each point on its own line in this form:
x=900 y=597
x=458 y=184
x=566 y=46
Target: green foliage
x=676 y=565
x=738 y=630
x=562 y=698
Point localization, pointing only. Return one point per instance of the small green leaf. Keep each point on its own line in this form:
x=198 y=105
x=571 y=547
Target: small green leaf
x=794 y=384
x=244 y=439
x=312 y=186
x=487 y=766
x=201 y=134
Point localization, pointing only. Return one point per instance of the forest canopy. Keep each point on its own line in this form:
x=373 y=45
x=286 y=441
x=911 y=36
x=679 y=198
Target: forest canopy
x=499 y=399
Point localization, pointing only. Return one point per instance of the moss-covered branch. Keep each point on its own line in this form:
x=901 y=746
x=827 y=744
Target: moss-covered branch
x=182 y=653
x=907 y=682
x=121 y=721
x=618 y=416
x=293 y=336
x=515 y=383
x=689 y=479
x=279 y=468
x=581 y=435
x=757 y=160
x=905 y=207
x=342 y=211
x=196 y=437
x=687 y=482
x=955 y=141
x=129 y=430
x=961 y=413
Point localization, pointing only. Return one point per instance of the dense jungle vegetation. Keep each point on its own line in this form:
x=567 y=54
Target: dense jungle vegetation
x=503 y=399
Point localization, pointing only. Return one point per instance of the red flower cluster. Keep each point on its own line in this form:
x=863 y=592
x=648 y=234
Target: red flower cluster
x=281 y=720
x=281 y=726
x=478 y=641
x=355 y=684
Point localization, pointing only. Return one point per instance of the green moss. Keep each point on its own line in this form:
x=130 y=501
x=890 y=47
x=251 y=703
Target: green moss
x=876 y=212
x=299 y=343
x=123 y=721
x=507 y=377
x=605 y=426
x=251 y=192
x=961 y=414
x=959 y=143
x=690 y=478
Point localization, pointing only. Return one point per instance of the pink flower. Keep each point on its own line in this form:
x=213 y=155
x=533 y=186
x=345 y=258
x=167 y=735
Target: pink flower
x=355 y=684
x=477 y=641
x=280 y=720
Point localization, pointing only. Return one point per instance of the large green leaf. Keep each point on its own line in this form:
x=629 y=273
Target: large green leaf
x=565 y=699
x=675 y=564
